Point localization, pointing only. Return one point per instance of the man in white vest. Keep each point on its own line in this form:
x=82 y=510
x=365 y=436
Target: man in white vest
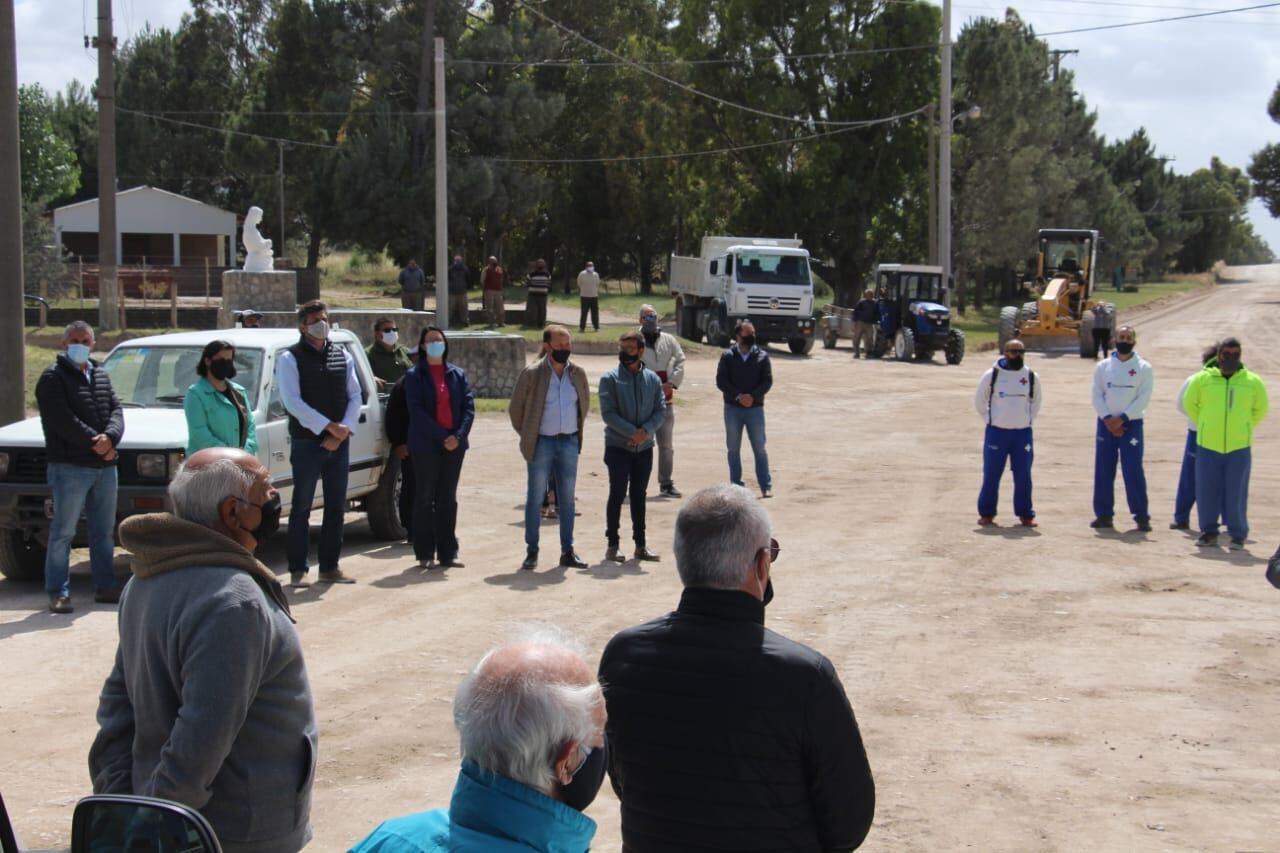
x=1008 y=399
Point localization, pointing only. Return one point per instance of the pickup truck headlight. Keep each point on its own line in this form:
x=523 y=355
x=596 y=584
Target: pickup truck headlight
x=4 y=464
x=153 y=465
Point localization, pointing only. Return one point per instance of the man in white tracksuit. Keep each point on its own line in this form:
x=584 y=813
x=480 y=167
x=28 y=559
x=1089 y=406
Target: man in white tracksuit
x=1008 y=399
x=1122 y=385
x=664 y=356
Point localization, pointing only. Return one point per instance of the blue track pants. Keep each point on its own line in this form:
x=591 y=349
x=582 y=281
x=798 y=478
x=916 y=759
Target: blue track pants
x=1128 y=448
x=1222 y=490
x=999 y=445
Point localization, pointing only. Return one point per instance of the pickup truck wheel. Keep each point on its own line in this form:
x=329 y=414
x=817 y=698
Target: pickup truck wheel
x=21 y=559
x=383 y=504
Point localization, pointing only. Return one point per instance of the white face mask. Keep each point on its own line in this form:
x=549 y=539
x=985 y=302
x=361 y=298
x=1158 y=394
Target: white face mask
x=319 y=329
x=390 y=338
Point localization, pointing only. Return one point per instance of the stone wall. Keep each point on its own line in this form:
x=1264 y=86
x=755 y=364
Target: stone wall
x=261 y=291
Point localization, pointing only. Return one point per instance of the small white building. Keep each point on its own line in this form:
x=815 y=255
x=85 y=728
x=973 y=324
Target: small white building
x=154 y=226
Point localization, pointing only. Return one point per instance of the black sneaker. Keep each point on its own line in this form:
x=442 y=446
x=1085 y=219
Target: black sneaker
x=1144 y=524
x=670 y=491
x=530 y=562
x=572 y=561
x=1237 y=544
x=1207 y=540
x=1103 y=522
x=1176 y=526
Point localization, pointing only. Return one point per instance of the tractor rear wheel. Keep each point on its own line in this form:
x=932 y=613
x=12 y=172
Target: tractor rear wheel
x=954 y=349
x=904 y=345
x=1008 y=325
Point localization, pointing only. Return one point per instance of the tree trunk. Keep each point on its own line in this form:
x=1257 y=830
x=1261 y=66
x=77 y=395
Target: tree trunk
x=313 y=248
x=961 y=288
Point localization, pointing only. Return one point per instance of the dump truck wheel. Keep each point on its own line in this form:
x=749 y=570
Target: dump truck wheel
x=801 y=346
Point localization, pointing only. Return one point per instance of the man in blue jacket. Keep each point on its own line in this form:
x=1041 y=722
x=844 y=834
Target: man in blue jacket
x=744 y=376
x=632 y=406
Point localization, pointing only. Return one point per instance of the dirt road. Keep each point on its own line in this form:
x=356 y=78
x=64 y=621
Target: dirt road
x=1055 y=689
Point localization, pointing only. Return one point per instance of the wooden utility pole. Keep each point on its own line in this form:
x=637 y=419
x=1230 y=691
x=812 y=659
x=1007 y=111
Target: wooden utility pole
x=426 y=62
x=442 y=199
x=12 y=342
x=1057 y=59
x=108 y=282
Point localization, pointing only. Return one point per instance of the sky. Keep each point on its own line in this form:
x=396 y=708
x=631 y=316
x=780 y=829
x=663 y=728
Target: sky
x=1200 y=87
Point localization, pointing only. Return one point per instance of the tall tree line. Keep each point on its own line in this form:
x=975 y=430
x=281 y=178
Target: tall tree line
x=560 y=150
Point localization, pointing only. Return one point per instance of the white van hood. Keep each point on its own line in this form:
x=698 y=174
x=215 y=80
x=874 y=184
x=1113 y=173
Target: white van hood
x=144 y=429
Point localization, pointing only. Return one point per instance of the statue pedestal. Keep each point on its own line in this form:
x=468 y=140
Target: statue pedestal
x=276 y=290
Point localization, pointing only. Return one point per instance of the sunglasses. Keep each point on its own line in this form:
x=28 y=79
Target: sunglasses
x=649 y=318
x=773 y=549
x=390 y=329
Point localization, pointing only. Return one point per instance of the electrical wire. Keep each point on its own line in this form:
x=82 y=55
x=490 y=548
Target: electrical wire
x=245 y=133
x=1157 y=20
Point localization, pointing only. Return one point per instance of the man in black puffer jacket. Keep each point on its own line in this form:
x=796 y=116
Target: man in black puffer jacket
x=722 y=734
x=83 y=423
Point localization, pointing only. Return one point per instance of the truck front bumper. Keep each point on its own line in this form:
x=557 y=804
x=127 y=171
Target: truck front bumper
x=772 y=328
x=29 y=506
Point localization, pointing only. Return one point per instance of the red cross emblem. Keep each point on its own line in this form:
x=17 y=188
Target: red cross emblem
x=1133 y=372
x=1022 y=381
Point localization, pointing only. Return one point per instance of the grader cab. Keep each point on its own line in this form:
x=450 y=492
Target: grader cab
x=1060 y=317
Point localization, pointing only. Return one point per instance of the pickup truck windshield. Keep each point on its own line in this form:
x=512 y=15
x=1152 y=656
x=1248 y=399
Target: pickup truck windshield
x=765 y=268
x=158 y=377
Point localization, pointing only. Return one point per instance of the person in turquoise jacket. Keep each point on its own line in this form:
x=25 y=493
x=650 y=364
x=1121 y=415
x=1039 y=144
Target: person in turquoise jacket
x=1226 y=402
x=531 y=719
x=217 y=409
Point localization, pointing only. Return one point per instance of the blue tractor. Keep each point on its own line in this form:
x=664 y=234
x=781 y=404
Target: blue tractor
x=915 y=321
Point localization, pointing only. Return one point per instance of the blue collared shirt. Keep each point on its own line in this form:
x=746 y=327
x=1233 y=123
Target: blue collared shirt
x=560 y=412
x=291 y=394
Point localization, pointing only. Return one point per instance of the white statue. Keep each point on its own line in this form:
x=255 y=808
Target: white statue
x=257 y=249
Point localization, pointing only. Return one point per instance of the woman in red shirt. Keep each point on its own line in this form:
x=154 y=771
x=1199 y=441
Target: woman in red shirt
x=441 y=411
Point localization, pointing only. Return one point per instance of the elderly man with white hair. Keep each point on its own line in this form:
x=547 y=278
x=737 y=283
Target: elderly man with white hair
x=208 y=702
x=724 y=735
x=531 y=720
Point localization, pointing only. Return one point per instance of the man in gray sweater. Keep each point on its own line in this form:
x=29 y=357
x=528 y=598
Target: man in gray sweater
x=208 y=703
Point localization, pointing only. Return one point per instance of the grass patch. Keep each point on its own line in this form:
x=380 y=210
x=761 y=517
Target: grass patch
x=492 y=404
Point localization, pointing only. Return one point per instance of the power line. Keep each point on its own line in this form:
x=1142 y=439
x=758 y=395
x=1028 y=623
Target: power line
x=743 y=60
x=1157 y=20
x=244 y=133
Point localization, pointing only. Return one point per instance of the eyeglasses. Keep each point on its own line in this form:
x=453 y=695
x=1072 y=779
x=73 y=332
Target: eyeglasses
x=773 y=549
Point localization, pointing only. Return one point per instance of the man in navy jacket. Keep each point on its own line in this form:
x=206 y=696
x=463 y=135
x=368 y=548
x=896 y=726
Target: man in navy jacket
x=745 y=376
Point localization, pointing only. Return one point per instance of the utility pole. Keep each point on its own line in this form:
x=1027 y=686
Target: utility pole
x=12 y=378
x=108 y=283
x=280 y=252
x=930 y=115
x=944 y=164
x=442 y=198
x=1057 y=58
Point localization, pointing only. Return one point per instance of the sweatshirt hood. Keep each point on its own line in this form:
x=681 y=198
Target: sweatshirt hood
x=160 y=542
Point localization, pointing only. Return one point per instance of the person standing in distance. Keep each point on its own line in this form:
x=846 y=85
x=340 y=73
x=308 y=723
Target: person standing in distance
x=744 y=376
x=1104 y=320
x=866 y=314
x=413 y=286
x=1122 y=386
x=632 y=407
x=491 y=282
x=83 y=423
x=459 y=311
x=1185 y=498
x=548 y=409
x=1008 y=399
x=665 y=357
x=538 y=284
x=319 y=389
x=1227 y=401
x=589 y=297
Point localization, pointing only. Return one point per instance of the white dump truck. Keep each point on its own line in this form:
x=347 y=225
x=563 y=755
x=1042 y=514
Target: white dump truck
x=761 y=279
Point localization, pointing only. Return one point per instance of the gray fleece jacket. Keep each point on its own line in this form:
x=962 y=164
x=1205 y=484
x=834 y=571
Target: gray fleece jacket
x=208 y=703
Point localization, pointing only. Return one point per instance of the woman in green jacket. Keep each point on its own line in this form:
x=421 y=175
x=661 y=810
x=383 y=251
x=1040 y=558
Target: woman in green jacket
x=218 y=411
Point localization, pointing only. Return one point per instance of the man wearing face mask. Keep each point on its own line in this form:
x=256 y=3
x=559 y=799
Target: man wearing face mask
x=1122 y=386
x=318 y=385
x=388 y=359
x=83 y=424
x=1227 y=402
x=1008 y=398
x=530 y=717
x=665 y=357
x=744 y=376
x=724 y=735
x=548 y=409
x=589 y=297
x=633 y=408
x=208 y=702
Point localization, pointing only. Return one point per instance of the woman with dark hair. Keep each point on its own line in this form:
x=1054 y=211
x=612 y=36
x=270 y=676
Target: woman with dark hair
x=441 y=411
x=218 y=412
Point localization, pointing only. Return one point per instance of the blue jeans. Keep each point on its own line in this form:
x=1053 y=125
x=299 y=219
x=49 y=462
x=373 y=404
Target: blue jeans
x=1186 y=497
x=1016 y=447
x=1128 y=447
x=735 y=419
x=77 y=489
x=312 y=464
x=558 y=455
x=1222 y=489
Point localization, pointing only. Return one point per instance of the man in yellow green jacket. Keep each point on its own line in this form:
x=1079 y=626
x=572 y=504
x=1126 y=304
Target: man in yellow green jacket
x=1226 y=402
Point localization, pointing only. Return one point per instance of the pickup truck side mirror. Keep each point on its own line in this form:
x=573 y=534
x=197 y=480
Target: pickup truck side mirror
x=116 y=822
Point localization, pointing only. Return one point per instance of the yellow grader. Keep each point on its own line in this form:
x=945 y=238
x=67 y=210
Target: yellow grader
x=1061 y=316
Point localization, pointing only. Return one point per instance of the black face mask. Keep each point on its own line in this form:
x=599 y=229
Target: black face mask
x=650 y=336
x=1124 y=347
x=1228 y=364
x=627 y=359
x=587 y=779
x=748 y=341
x=270 y=522
x=1013 y=363
x=560 y=355
x=222 y=369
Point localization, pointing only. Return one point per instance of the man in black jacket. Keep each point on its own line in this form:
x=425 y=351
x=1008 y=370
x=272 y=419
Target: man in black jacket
x=744 y=376
x=83 y=423
x=724 y=735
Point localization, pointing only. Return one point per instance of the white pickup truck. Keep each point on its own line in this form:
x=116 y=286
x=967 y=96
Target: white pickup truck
x=151 y=376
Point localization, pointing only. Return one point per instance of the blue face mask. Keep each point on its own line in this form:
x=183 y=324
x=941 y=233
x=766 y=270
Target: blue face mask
x=78 y=353
x=435 y=349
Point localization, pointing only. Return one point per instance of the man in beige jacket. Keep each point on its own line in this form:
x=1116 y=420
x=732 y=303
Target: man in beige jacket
x=548 y=409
